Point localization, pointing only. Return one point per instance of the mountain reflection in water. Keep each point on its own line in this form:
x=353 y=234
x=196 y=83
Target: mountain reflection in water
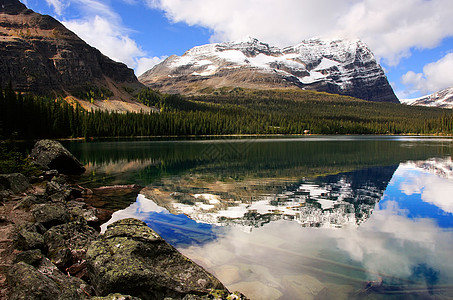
x=299 y=218
x=367 y=230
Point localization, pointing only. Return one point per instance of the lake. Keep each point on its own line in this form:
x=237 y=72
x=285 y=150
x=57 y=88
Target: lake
x=313 y=217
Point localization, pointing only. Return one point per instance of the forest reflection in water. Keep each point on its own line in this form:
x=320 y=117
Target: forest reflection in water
x=302 y=229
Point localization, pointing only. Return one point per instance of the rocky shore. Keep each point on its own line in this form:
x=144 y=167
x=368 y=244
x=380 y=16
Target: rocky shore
x=51 y=248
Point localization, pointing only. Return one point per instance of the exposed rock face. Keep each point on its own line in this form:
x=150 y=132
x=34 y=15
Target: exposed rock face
x=50 y=154
x=132 y=259
x=38 y=54
x=339 y=67
x=443 y=99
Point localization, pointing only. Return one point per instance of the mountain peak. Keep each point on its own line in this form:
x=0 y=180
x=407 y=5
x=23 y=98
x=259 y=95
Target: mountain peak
x=346 y=67
x=39 y=54
x=443 y=99
x=12 y=7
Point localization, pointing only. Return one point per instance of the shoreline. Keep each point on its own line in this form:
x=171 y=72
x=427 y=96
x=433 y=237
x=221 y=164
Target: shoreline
x=51 y=246
x=182 y=137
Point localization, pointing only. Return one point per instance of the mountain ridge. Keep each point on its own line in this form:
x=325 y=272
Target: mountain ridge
x=334 y=66
x=442 y=99
x=39 y=54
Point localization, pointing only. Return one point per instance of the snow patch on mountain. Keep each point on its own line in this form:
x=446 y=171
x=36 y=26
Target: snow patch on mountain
x=312 y=58
x=338 y=66
x=443 y=99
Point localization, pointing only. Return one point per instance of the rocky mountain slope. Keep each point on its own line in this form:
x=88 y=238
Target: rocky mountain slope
x=443 y=99
x=38 y=54
x=340 y=67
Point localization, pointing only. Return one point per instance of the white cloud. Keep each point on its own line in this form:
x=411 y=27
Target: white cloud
x=58 y=5
x=102 y=28
x=391 y=28
x=107 y=37
x=436 y=76
x=143 y=64
x=427 y=183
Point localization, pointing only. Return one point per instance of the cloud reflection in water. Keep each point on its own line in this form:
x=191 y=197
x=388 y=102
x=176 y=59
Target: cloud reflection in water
x=406 y=241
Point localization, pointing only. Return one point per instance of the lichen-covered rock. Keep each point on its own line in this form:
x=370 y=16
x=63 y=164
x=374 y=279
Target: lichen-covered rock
x=67 y=243
x=31 y=257
x=50 y=154
x=79 y=209
x=132 y=259
x=44 y=282
x=16 y=182
x=28 y=239
x=28 y=201
x=51 y=215
x=26 y=282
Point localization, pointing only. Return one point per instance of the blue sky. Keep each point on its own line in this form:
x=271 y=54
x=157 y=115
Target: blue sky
x=412 y=39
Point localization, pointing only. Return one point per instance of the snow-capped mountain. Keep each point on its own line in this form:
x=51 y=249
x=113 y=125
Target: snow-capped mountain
x=336 y=66
x=442 y=167
x=442 y=99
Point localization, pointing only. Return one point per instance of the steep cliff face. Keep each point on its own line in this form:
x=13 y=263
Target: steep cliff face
x=38 y=54
x=340 y=67
x=443 y=99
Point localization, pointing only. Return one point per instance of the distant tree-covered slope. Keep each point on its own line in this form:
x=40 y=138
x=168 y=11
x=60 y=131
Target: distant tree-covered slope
x=220 y=112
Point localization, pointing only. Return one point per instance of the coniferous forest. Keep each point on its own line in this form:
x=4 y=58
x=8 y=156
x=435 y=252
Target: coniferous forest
x=224 y=111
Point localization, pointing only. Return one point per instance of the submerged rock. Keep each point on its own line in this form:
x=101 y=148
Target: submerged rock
x=49 y=154
x=132 y=259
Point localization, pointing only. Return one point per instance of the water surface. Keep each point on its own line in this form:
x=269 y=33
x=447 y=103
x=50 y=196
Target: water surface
x=294 y=218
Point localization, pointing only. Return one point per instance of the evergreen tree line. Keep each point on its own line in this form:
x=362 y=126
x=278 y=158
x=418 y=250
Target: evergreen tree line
x=244 y=112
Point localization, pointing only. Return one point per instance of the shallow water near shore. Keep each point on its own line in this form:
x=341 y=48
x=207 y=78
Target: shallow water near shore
x=322 y=217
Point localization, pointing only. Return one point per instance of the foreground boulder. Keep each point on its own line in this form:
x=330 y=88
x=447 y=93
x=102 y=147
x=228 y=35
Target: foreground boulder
x=48 y=154
x=132 y=259
x=16 y=182
x=44 y=281
x=67 y=244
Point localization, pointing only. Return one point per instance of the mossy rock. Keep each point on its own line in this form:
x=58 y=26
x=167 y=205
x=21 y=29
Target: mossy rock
x=31 y=257
x=132 y=259
x=44 y=282
x=49 y=154
x=66 y=240
x=51 y=215
x=28 y=239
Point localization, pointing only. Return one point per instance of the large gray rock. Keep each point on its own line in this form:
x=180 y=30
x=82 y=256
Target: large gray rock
x=26 y=240
x=44 y=282
x=67 y=243
x=51 y=215
x=132 y=259
x=49 y=154
x=16 y=182
x=25 y=281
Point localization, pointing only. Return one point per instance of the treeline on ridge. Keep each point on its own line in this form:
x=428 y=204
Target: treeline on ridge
x=218 y=112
